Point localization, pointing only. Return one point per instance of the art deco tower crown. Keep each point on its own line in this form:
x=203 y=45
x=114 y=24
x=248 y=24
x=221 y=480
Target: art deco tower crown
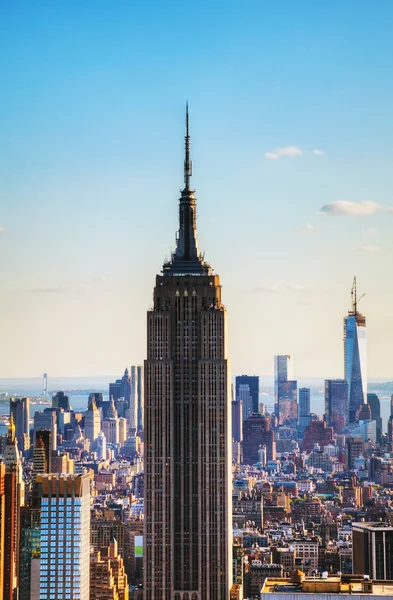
x=187 y=259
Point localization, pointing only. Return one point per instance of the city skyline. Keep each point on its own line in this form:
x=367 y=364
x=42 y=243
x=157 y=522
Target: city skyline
x=301 y=176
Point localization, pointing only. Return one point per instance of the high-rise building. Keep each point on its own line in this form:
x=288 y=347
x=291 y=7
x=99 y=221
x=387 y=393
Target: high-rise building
x=355 y=448
x=252 y=381
x=101 y=446
x=108 y=580
x=336 y=403
x=285 y=389
x=304 y=402
x=237 y=421
x=65 y=537
x=375 y=406
x=246 y=399
x=61 y=400
x=135 y=418
x=372 y=550
x=2 y=525
x=14 y=499
x=316 y=433
x=355 y=357
x=188 y=520
x=20 y=410
x=256 y=435
x=390 y=423
x=92 y=423
x=304 y=416
x=121 y=389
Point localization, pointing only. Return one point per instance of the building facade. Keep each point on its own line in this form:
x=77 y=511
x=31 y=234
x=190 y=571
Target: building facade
x=252 y=381
x=372 y=550
x=336 y=403
x=188 y=527
x=65 y=537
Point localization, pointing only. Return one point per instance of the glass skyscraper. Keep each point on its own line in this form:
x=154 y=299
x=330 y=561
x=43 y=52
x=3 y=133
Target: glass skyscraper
x=65 y=537
x=355 y=358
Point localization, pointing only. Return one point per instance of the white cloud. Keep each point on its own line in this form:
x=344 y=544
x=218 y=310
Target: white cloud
x=370 y=231
x=2 y=230
x=318 y=152
x=344 y=208
x=289 y=151
x=100 y=278
x=372 y=249
x=285 y=151
x=308 y=227
x=389 y=209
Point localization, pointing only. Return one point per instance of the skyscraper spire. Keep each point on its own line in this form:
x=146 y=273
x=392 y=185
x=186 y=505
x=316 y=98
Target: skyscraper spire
x=187 y=161
x=187 y=259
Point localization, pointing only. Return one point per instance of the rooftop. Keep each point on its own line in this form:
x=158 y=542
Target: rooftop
x=345 y=585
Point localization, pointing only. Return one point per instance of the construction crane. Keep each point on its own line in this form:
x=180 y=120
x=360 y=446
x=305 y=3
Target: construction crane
x=355 y=299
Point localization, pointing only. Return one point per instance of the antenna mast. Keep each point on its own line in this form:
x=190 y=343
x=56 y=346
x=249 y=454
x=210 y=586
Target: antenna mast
x=187 y=161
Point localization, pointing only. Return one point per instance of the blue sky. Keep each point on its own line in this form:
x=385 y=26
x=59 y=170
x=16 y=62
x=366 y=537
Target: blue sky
x=291 y=111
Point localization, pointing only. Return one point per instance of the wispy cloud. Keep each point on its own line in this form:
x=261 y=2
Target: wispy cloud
x=371 y=249
x=2 y=230
x=370 y=231
x=275 y=289
x=100 y=278
x=285 y=151
x=344 y=208
x=308 y=227
x=318 y=152
x=62 y=289
x=265 y=289
x=296 y=287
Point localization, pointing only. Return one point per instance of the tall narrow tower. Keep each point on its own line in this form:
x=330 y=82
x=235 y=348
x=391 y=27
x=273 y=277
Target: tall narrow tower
x=355 y=357
x=188 y=527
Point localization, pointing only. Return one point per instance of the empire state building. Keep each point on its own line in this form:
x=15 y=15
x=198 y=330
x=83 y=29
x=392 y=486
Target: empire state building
x=188 y=512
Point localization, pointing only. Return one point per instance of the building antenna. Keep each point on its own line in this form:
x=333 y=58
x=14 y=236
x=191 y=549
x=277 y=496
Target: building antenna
x=187 y=161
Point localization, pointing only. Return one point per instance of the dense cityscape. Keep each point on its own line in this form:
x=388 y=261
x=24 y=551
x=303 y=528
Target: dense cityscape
x=180 y=483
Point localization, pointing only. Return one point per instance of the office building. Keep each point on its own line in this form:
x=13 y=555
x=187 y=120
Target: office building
x=108 y=580
x=246 y=399
x=355 y=357
x=355 y=448
x=252 y=381
x=20 y=410
x=304 y=416
x=237 y=420
x=188 y=520
x=92 y=423
x=121 y=388
x=336 y=403
x=2 y=525
x=317 y=433
x=285 y=389
x=14 y=498
x=135 y=418
x=61 y=401
x=375 y=406
x=257 y=435
x=101 y=446
x=65 y=537
x=372 y=550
